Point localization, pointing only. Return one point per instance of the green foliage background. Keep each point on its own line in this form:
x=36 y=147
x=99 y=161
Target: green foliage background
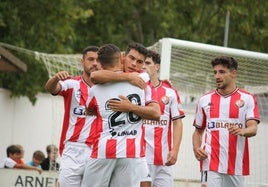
x=67 y=26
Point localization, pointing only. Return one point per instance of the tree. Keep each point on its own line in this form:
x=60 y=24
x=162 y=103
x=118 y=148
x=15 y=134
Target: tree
x=67 y=26
x=38 y=25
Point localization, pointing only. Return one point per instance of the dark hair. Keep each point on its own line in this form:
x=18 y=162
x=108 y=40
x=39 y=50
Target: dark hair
x=228 y=62
x=108 y=54
x=154 y=55
x=138 y=47
x=51 y=148
x=89 y=48
x=12 y=149
x=39 y=155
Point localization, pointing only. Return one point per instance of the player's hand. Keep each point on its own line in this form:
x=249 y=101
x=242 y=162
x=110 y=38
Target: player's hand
x=62 y=75
x=235 y=130
x=90 y=112
x=122 y=105
x=39 y=170
x=200 y=154
x=136 y=80
x=172 y=158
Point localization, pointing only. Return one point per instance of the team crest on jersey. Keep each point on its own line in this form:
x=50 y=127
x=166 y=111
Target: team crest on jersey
x=165 y=100
x=240 y=103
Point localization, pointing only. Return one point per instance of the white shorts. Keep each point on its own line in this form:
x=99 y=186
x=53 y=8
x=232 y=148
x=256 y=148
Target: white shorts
x=215 y=179
x=120 y=172
x=73 y=161
x=143 y=170
x=161 y=175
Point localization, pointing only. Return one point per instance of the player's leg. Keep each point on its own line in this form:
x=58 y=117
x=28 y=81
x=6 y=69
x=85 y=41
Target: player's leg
x=233 y=180
x=123 y=174
x=146 y=180
x=211 y=179
x=161 y=176
x=98 y=172
x=145 y=184
x=131 y=172
x=73 y=162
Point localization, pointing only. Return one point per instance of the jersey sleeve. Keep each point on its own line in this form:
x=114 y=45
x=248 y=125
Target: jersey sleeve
x=67 y=85
x=148 y=89
x=145 y=76
x=253 y=111
x=200 y=117
x=176 y=108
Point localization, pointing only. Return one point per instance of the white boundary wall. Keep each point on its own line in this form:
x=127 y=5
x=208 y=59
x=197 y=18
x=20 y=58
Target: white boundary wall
x=24 y=178
x=36 y=126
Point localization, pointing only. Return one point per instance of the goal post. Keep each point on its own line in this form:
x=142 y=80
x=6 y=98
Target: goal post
x=187 y=65
x=165 y=58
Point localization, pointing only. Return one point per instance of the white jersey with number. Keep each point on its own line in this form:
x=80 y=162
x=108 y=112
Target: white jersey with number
x=118 y=134
x=76 y=125
x=227 y=153
x=159 y=135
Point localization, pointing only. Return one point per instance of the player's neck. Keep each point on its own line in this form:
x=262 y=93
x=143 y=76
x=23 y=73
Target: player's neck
x=87 y=80
x=228 y=90
x=155 y=81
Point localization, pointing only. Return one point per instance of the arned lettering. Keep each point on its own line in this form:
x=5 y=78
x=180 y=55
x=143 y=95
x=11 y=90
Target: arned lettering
x=30 y=181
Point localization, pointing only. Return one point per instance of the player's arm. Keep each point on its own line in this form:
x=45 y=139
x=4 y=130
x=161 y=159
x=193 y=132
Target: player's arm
x=24 y=166
x=150 y=111
x=177 y=136
x=249 y=131
x=105 y=76
x=251 y=123
x=52 y=85
x=199 y=152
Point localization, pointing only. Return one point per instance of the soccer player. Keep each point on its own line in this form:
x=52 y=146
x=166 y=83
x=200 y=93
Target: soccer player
x=228 y=116
x=118 y=149
x=132 y=64
x=76 y=132
x=163 y=138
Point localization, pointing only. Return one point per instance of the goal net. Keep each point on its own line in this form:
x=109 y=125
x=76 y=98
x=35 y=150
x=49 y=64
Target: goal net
x=53 y=62
x=187 y=65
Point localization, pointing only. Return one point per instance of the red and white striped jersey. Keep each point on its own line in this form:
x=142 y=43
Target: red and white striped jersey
x=159 y=135
x=119 y=134
x=76 y=125
x=227 y=153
